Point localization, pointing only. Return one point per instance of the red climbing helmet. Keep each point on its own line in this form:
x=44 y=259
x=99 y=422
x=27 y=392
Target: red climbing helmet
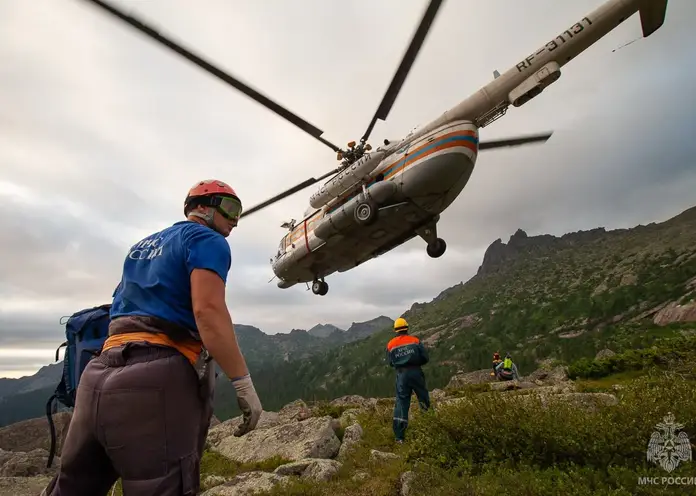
x=214 y=193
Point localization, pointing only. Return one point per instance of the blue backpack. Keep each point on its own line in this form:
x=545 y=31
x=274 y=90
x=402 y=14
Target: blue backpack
x=85 y=333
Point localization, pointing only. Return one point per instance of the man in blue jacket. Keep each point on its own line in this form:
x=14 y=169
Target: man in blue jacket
x=407 y=354
x=143 y=406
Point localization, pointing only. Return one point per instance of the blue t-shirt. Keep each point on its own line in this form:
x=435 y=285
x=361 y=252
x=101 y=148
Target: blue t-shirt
x=156 y=277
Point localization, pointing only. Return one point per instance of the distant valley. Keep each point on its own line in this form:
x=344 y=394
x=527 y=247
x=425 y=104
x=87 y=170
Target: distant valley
x=25 y=397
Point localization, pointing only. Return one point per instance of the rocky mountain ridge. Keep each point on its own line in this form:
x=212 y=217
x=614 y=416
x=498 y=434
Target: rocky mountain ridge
x=540 y=297
x=560 y=298
x=44 y=377
x=25 y=397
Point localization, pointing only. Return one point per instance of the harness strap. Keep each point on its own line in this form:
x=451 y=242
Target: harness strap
x=52 y=428
x=135 y=352
x=139 y=323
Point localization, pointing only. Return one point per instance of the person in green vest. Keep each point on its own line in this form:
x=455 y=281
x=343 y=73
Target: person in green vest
x=507 y=370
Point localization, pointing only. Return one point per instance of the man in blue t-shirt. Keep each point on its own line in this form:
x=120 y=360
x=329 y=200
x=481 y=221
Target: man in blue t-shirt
x=143 y=407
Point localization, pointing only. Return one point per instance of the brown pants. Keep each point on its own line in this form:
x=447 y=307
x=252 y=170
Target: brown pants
x=141 y=414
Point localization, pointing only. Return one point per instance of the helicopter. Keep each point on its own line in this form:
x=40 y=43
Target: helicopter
x=376 y=200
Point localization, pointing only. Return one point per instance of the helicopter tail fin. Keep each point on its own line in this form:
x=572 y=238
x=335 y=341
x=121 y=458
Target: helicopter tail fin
x=652 y=16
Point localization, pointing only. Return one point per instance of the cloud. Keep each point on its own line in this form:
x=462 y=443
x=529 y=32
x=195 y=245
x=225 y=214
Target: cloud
x=102 y=132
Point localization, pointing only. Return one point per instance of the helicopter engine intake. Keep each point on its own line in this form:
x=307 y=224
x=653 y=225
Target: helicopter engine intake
x=346 y=179
x=535 y=84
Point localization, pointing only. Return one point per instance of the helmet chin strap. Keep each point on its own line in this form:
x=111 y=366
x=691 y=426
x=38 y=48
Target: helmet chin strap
x=207 y=217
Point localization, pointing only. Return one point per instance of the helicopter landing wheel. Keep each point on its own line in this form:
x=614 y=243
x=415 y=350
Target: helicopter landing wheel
x=437 y=248
x=320 y=288
x=365 y=213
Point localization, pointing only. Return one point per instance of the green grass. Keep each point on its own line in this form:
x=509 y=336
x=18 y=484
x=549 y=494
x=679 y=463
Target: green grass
x=486 y=446
x=493 y=442
x=322 y=409
x=218 y=465
x=606 y=384
x=665 y=353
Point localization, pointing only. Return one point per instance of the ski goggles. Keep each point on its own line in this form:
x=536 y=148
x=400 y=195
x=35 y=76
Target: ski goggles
x=229 y=207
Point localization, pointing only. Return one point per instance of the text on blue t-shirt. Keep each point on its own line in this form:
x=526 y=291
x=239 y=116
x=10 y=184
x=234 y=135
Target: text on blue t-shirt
x=156 y=273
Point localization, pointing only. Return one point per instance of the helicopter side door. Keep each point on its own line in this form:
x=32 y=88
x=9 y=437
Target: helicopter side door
x=281 y=247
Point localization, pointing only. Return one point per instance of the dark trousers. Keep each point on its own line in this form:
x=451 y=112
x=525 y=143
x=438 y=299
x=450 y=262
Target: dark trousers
x=408 y=380
x=141 y=414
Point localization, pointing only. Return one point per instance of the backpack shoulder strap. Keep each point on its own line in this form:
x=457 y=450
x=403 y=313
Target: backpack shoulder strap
x=52 y=428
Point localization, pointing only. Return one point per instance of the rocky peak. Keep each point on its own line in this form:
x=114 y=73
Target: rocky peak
x=363 y=329
x=323 y=330
x=519 y=235
x=499 y=254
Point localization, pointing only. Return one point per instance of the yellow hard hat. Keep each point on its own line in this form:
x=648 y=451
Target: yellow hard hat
x=400 y=324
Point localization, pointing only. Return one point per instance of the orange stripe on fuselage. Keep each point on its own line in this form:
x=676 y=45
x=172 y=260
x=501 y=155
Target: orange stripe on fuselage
x=303 y=229
x=444 y=146
x=402 y=341
x=410 y=158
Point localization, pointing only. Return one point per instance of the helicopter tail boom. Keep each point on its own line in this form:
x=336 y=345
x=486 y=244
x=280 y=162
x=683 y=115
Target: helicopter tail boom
x=531 y=75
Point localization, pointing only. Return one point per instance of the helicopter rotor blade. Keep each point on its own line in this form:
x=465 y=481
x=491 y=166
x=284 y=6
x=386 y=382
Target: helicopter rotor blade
x=289 y=192
x=522 y=140
x=405 y=66
x=215 y=71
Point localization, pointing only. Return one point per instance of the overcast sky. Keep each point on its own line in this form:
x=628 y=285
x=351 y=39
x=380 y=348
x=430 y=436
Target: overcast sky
x=103 y=131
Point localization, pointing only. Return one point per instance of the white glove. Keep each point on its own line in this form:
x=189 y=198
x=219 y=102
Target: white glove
x=248 y=402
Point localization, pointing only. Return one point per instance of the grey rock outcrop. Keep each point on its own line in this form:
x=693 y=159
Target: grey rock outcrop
x=311 y=438
x=351 y=436
x=462 y=379
x=317 y=469
x=227 y=428
x=246 y=484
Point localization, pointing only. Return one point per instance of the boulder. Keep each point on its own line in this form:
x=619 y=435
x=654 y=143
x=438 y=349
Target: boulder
x=311 y=438
x=382 y=456
x=437 y=394
x=317 y=469
x=295 y=411
x=462 y=379
x=246 y=484
x=406 y=481
x=227 y=428
x=349 y=416
x=605 y=353
x=351 y=436
x=549 y=376
x=355 y=401
x=511 y=385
